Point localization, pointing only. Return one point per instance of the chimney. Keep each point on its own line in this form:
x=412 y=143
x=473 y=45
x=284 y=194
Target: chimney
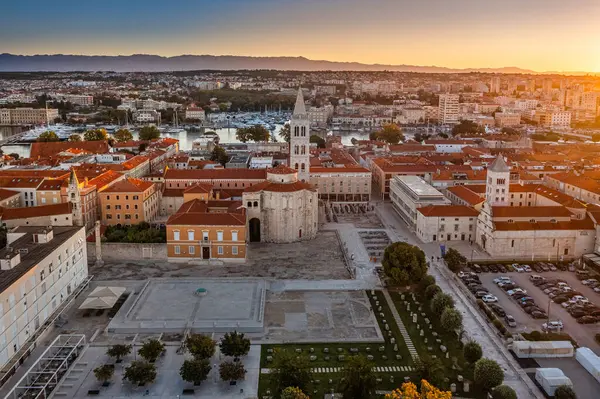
x=12 y=259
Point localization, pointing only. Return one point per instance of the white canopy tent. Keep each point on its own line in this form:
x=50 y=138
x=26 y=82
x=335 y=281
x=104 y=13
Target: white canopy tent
x=102 y=291
x=106 y=302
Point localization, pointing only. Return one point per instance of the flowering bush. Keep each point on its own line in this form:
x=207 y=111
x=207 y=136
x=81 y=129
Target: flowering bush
x=409 y=390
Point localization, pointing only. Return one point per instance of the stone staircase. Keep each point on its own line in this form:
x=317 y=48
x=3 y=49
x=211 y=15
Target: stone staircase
x=401 y=327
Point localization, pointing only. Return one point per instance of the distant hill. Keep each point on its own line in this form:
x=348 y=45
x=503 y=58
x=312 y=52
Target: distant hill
x=155 y=63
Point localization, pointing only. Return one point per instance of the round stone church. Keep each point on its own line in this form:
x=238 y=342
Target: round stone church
x=282 y=208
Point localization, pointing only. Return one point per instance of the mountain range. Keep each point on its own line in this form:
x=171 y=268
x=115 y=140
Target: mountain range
x=156 y=63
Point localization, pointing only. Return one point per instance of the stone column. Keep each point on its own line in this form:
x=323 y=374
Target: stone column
x=99 y=261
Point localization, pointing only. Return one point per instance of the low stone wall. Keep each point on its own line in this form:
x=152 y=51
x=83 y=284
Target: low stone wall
x=114 y=251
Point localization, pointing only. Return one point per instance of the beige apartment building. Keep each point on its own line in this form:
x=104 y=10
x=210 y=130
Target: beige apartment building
x=39 y=270
x=349 y=184
x=505 y=119
x=27 y=116
x=129 y=201
x=448 y=108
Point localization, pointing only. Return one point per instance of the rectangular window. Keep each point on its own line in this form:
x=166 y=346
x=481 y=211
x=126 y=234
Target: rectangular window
x=220 y=250
x=234 y=250
x=234 y=236
x=43 y=200
x=219 y=236
x=176 y=235
x=191 y=235
x=192 y=249
x=177 y=250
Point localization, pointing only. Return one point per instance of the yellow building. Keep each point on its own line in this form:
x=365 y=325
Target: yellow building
x=205 y=230
x=129 y=201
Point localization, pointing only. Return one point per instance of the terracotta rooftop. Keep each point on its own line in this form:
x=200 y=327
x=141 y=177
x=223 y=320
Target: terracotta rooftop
x=575 y=224
x=448 y=211
x=467 y=194
x=281 y=170
x=18 y=182
x=105 y=179
x=50 y=149
x=129 y=185
x=530 y=211
x=279 y=187
x=5 y=194
x=52 y=184
x=209 y=213
x=62 y=208
x=199 y=188
x=216 y=174
x=56 y=174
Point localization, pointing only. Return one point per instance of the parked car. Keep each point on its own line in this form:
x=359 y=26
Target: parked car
x=560 y=299
x=481 y=293
x=501 y=268
x=519 y=296
x=516 y=291
x=526 y=268
x=587 y=319
x=582 y=274
x=545 y=267
x=501 y=279
x=578 y=312
x=509 y=268
x=536 y=277
x=489 y=298
x=498 y=310
x=555 y=325
x=539 y=315
x=589 y=281
x=484 y=268
x=510 y=320
x=493 y=268
x=537 y=268
x=552 y=267
x=476 y=268
x=518 y=268
x=508 y=286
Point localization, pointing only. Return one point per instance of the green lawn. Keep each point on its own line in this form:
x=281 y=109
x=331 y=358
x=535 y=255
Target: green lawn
x=386 y=358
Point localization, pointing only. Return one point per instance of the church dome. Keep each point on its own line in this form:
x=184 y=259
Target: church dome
x=282 y=174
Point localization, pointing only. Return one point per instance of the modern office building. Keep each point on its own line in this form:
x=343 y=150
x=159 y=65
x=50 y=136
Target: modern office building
x=408 y=193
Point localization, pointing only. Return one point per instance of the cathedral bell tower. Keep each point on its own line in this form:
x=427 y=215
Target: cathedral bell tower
x=497 y=188
x=300 y=139
x=74 y=197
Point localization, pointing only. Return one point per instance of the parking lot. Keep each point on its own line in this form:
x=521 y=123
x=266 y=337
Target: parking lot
x=582 y=333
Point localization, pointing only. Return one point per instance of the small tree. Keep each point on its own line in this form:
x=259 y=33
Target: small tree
x=431 y=291
x=104 y=373
x=119 y=351
x=318 y=140
x=123 y=135
x=285 y=132
x=293 y=393
x=427 y=281
x=219 y=155
x=472 y=352
x=140 y=372
x=404 y=263
x=195 y=370
x=487 y=374
x=390 y=133
x=359 y=379
x=504 y=392
x=151 y=350
x=232 y=371
x=95 y=135
x=440 y=302
x=564 y=392
x=149 y=133
x=290 y=370
x=200 y=346
x=431 y=369
x=254 y=133
x=235 y=344
x=454 y=259
x=75 y=137
x=48 y=136
x=451 y=319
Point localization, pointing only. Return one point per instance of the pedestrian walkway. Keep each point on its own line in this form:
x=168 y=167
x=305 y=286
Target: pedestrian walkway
x=329 y=370
x=401 y=327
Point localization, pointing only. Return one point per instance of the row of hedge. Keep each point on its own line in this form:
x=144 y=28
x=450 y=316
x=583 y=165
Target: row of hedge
x=495 y=321
x=548 y=336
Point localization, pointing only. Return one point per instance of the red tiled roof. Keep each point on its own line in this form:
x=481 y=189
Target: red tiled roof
x=105 y=179
x=50 y=149
x=199 y=189
x=575 y=224
x=129 y=185
x=466 y=194
x=5 y=194
x=23 y=173
x=279 y=187
x=448 y=210
x=52 y=184
x=18 y=182
x=530 y=211
x=62 y=208
x=198 y=213
x=347 y=169
x=216 y=174
x=173 y=192
x=281 y=170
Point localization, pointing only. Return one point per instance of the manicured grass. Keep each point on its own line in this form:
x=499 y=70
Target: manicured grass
x=321 y=380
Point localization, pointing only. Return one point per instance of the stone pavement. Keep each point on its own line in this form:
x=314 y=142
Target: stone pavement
x=378 y=369
x=474 y=324
x=401 y=327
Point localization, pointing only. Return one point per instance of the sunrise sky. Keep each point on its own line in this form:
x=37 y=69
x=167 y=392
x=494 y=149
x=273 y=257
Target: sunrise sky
x=543 y=35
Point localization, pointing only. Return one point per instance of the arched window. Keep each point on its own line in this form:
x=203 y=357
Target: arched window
x=512 y=243
x=255 y=203
x=303 y=166
x=249 y=204
x=296 y=131
x=296 y=166
x=303 y=129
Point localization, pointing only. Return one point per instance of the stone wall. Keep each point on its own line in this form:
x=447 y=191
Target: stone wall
x=125 y=251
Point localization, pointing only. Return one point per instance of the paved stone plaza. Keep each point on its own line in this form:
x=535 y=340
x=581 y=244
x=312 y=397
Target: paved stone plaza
x=168 y=382
x=172 y=305
x=319 y=316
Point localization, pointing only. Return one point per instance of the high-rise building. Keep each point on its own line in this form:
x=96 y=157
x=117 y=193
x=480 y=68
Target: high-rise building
x=448 y=108
x=495 y=84
x=300 y=139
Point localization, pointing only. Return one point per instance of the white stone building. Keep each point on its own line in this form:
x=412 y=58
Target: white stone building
x=446 y=223
x=40 y=268
x=300 y=139
x=282 y=208
x=408 y=193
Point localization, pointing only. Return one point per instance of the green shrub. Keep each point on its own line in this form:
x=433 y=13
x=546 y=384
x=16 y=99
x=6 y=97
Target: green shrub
x=487 y=374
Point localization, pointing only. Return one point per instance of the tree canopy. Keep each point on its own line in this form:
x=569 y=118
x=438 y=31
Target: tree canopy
x=390 y=133
x=472 y=352
x=254 y=133
x=431 y=369
x=200 y=346
x=75 y=137
x=454 y=259
x=564 y=392
x=104 y=373
x=467 y=127
x=95 y=135
x=487 y=374
x=504 y=392
x=48 y=135
x=293 y=393
x=235 y=344
x=118 y=351
x=151 y=349
x=404 y=263
x=285 y=132
x=232 y=371
x=219 y=155
x=290 y=370
x=451 y=319
x=359 y=380
x=440 y=302
x=140 y=372
x=123 y=135
x=149 y=133
x=318 y=140
x=195 y=370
